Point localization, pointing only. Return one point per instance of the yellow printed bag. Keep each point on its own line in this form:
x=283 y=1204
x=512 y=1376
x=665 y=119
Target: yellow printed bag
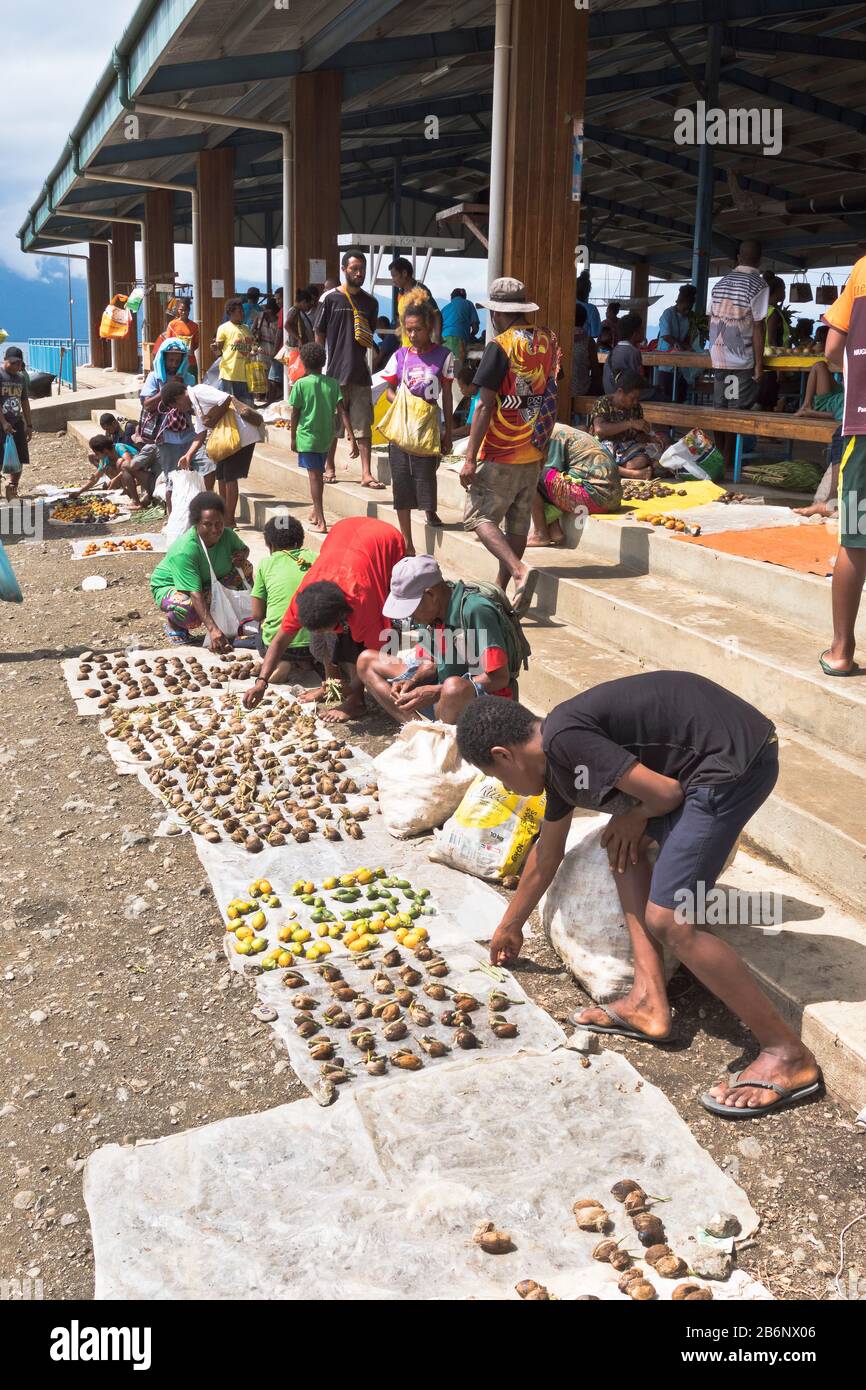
x=491 y=832
x=412 y=423
x=225 y=438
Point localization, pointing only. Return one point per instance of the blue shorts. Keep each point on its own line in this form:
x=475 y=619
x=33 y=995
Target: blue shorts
x=314 y=462
x=695 y=840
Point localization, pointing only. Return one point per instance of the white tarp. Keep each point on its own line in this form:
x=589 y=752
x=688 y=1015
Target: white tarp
x=157 y=546
x=209 y=660
x=377 y=1198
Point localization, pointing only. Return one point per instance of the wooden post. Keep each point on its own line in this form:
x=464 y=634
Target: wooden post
x=123 y=278
x=547 y=83
x=317 y=174
x=216 y=171
x=98 y=295
x=640 y=287
x=159 y=233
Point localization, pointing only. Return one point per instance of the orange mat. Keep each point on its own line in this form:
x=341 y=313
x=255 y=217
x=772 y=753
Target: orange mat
x=809 y=549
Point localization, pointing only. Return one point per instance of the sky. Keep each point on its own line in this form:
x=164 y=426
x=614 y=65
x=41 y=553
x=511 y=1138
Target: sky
x=67 y=45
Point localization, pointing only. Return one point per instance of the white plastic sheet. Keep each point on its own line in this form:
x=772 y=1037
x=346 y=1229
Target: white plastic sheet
x=377 y=1198
x=156 y=541
x=211 y=661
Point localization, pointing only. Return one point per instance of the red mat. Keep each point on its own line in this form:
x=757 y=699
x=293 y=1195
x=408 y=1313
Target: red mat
x=809 y=549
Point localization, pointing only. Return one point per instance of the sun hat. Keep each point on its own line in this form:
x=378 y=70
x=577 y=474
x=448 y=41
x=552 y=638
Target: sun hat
x=410 y=580
x=508 y=296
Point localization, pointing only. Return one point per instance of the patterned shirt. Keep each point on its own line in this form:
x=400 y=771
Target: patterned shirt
x=848 y=314
x=740 y=300
x=521 y=365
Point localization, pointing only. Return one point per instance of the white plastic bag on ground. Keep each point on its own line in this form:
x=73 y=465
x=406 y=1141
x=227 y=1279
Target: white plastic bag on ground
x=421 y=777
x=583 y=919
x=185 y=483
x=491 y=832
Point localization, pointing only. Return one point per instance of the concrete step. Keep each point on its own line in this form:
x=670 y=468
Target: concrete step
x=813 y=961
x=770 y=662
x=813 y=824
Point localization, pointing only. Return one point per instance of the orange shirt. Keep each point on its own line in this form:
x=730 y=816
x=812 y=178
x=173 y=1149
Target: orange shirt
x=848 y=314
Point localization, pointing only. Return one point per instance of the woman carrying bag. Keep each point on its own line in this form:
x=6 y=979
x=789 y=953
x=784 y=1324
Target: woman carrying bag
x=421 y=374
x=231 y=428
x=191 y=583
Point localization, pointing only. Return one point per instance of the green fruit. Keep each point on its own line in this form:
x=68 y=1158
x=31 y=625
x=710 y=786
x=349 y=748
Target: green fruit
x=364 y=912
x=349 y=914
x=308 y=900
x=428 y=910
x=269 y=963
x=423 y=893
x=413 y=912
x=258 y=943
x=402 y=883
x=317 y=916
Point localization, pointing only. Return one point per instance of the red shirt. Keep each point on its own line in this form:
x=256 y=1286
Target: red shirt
x=358 y=556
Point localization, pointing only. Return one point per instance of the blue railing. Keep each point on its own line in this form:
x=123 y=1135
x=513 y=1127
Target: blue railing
x=58 y=356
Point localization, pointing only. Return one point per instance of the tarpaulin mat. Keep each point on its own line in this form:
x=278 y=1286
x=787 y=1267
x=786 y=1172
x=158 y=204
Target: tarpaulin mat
x=714 y=517
x=697 y=493
x=217 y=668
x=83 y=549
x=377 y=1198
x=806 y=549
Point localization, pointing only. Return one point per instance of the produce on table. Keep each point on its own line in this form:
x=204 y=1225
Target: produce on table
x=672 y=523
x=639 y=491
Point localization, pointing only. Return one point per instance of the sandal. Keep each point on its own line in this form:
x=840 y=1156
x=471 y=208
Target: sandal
x=620 y=1028
x=787 y=1095
x=853 y=669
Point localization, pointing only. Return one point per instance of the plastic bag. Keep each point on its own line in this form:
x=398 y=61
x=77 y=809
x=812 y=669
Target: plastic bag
x=421 y=777
x=11 y=461
x=10 y=589
x=257 y=377
x=229 y=607
x=290 y=357
x=135 y=300
x=116 y=319
x=184 y=485
x=212 y=375
x=225 y=438
x=583 y=919
x=696 y=454
x=412 y=423
x=491 y=832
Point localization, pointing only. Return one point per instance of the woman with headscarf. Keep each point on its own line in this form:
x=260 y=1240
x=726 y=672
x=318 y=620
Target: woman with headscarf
x=172 y=430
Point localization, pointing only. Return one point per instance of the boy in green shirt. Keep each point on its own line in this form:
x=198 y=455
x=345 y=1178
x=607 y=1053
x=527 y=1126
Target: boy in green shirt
x=317 y=403
x=277 y=579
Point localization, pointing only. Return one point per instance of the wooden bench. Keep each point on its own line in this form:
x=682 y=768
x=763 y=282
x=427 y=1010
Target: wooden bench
x=768 y=424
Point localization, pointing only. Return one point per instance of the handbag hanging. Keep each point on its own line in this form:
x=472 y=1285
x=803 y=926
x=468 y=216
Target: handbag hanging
x=801 y=290
x=826 y=293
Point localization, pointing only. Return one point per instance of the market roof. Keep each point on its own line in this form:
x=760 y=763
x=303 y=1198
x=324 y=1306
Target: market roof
x=406 y=60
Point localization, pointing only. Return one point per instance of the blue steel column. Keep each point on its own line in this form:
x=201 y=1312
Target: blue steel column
x=701 y=246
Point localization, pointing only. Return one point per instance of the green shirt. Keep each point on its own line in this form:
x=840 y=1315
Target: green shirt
x=317 y=398
x=474 y=643
x=185 y=567
x=277 y=579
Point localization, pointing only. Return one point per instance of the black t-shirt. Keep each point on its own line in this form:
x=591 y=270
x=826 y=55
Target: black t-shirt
x=675 y=723
x=347 y=360
x=13 y=390
x=492 y=367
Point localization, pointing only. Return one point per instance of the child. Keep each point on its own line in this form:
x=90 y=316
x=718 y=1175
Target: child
x=426 y=370
x=618 y=422
x=118 y=463
x=466 y=383
x=672 y=758
x=118 y=431
x=234 y=342
x=314 y=402
x=277 y=579
x=15 y=418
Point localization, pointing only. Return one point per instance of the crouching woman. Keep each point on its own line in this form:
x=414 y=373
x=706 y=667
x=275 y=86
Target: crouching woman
x=181 y=582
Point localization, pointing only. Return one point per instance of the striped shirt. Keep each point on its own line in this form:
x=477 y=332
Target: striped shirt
x=740 y=300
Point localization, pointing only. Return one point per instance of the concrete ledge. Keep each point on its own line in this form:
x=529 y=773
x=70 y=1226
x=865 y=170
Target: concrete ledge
x=54 y=414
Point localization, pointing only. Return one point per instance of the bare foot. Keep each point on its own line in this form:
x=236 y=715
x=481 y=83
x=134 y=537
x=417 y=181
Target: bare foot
x=815 y=509
x=800 y=1070
x=535 y=540
x=349 y=709
x=307 y=697
x=556 y=533
x=655 y=1021
x=371 y=482
x=318 y=530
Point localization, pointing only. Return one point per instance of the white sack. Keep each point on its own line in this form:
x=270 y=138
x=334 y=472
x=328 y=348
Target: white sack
x=421 y=777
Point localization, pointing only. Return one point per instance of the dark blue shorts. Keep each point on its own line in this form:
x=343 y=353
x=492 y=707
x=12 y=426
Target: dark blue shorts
x=315 y=463
x=695 y=840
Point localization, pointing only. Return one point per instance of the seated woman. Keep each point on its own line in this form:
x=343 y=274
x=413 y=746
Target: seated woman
x=118 y=463
x=181 y=582
x=276 y=582
x=618 y=424
x=577 y=476
x=824 y=394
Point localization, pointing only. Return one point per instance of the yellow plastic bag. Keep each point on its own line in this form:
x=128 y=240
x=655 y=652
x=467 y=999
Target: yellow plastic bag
x=257 y=377
x=116 y=319
x=491 y=832
x=412 y=423
x=225 y=438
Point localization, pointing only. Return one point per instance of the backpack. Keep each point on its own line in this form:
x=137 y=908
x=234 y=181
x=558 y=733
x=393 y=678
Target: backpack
x=151 y=426
x=518 y=648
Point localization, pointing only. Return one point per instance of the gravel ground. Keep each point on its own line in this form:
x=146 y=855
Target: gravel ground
x=122 y=1023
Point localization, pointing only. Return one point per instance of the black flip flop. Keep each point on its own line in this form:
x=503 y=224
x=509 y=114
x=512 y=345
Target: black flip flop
x=621 y=1029
x=788 y=1095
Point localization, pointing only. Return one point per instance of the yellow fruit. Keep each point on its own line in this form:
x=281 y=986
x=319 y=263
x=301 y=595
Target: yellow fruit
x=309 y=888
x=301 y=934
x=285 y=933
x=312 y=952
x=405 y=920
x=401 y=933
x=244 y=933
x=410 y=940
x=335 y=930
x=376 y=926
x=258 y=920
x=330 y=883
x=284 y=959
x=243 y=948
x=295 y=948
x=358 y=945
x=323 y=948
x=258 y=943
x=254 y=890
x=231 y=926
x=232 y=911
x=264 y=886
x=347 y=880
x=421 y=933
x=322 y=929
x=350 y=938
x=364 y=876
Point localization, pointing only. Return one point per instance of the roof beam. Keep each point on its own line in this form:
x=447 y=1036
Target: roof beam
x=784 y=41
x=619 y=140
x=695 y=13
x=352 y=20
x=417 y=110
x=722 y=244
x=802 y=101
x=260 y=67
x=169 y=146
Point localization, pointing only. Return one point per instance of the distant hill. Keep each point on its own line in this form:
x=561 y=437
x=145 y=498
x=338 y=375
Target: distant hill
x=40 y=308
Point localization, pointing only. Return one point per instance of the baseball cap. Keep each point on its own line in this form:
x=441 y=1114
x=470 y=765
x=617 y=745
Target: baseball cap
x=409 y=581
